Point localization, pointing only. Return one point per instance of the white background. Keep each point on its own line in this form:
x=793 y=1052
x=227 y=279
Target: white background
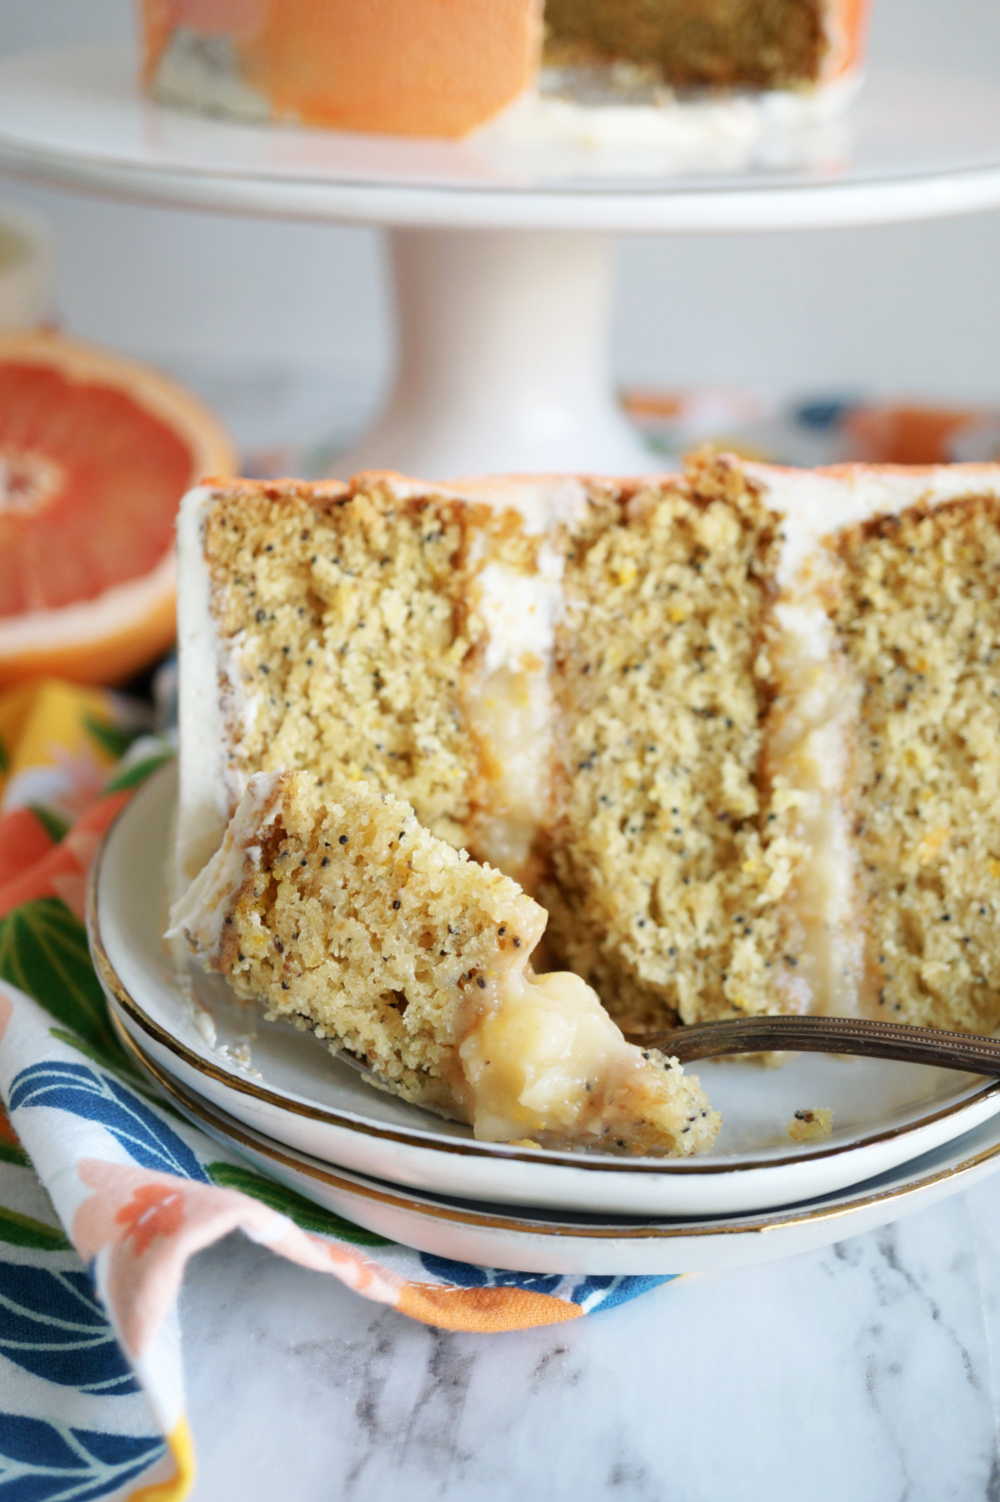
x=241 y=306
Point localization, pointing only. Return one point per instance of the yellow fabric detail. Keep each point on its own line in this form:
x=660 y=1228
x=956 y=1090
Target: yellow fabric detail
x=179 y=1485
x=37 y=720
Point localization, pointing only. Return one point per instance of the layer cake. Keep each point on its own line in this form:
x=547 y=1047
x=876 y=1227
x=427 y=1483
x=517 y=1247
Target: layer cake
x=733 y=730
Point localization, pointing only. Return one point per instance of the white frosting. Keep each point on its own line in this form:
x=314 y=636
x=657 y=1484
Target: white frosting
x=208 y=786
x=809 y=758
x=819 y=502
x=583 y=121
x=659 y=134
x=200 y=912
x=809 y=743
x=521 y=610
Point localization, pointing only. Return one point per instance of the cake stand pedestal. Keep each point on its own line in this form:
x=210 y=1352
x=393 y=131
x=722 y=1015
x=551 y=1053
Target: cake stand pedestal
x=503 y=364
x=501 y=251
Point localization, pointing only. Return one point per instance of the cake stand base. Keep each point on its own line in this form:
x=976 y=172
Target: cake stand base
x=502 y=359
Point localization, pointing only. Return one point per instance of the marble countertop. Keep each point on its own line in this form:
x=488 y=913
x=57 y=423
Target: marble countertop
x=862 y=1373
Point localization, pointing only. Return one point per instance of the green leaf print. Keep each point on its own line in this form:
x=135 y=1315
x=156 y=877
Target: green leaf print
x=4 y=759
x=118 y=1062
x=11 y=1153
x=303 y=1212
x=43 y=951
x=24 y=1230
x=130 y=777
x=114 y=739
x=57 y=827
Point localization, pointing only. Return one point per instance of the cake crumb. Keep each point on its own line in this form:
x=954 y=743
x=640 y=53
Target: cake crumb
x=810 y=1126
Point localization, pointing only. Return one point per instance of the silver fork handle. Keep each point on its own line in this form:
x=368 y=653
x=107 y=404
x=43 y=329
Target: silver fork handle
x=844 y=1035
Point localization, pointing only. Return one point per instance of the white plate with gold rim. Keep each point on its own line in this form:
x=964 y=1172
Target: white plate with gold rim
x=288 y=1087
x=553 y=1243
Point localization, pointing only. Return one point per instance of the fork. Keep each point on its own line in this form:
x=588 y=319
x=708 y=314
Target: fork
x=843 y=1035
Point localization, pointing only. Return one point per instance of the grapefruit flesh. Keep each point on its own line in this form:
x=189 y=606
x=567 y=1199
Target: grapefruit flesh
x=95 y=454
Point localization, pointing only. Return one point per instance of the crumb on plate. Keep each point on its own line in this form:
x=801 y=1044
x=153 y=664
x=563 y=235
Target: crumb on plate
x=810 y=1126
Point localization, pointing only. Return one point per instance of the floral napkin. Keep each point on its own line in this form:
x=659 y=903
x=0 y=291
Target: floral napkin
x=105 y=1191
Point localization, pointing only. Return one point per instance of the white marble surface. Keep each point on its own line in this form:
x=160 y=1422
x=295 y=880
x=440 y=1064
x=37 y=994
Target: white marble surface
x=864 y=1373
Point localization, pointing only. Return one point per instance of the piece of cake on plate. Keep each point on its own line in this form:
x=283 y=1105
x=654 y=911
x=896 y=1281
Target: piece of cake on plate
x=446 y=67
x=734 y=730
x=347 y=917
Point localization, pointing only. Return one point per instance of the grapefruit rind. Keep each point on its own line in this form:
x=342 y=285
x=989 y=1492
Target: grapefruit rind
x=104 y=640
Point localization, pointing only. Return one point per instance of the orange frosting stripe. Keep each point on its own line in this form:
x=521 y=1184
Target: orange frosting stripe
x=848 y=26
x=437 y=68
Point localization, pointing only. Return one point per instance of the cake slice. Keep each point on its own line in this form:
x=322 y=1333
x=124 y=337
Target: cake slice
x=673 y=850
x=389 y=629
x=348 y=918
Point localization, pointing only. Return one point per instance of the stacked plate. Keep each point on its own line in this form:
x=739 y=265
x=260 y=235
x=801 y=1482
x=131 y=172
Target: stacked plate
x=903 y=1135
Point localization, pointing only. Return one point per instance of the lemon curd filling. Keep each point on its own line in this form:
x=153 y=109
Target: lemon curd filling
x=507 y=699
x=547 y=1062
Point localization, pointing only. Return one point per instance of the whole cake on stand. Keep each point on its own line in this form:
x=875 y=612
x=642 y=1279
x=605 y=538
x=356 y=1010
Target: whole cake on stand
x=439 y=69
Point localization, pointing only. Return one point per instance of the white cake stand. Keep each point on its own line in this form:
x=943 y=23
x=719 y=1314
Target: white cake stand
x=501 y=250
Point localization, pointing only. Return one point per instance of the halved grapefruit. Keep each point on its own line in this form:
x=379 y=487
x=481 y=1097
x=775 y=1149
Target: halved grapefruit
x=95 y=454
